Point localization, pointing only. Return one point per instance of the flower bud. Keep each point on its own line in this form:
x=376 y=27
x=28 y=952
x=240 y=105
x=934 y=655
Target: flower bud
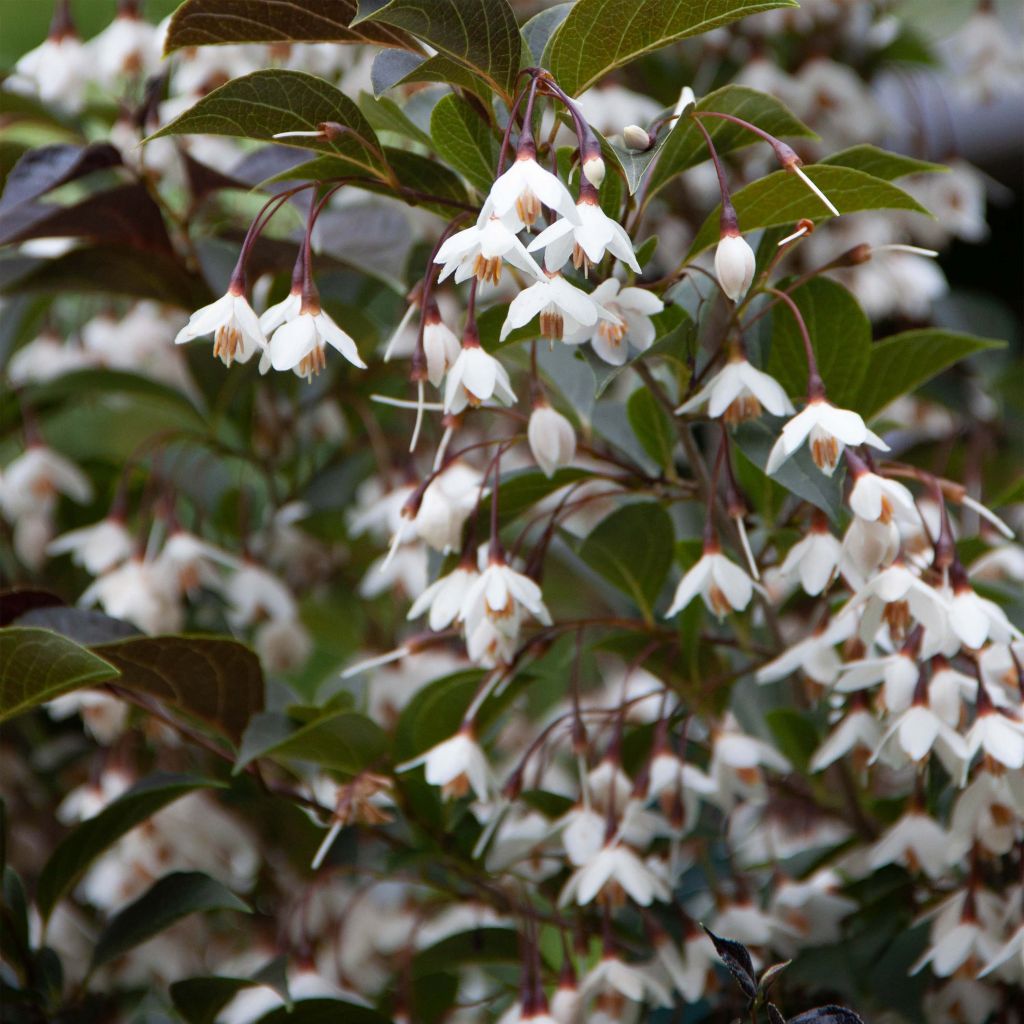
x=637 y=138
x=593 y=170
x=440 y=346
x=734 y=265
x=552 y=439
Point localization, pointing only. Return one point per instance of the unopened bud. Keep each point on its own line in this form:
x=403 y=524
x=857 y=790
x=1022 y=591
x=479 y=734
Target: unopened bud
x=594 y=170
x=637 y=138
x=734 y=265
x=857 y=255
x=686 y=102
x=552 y=439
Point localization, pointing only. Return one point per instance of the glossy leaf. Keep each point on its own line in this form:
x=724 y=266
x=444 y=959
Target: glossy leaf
x=652 y=426
x=77 y=850
x=435 y=713
x=204 y=22
x=542 y=26
x=632 y=549
x=480 y=34
x=167 y=901
x=395 y=67
x=684 y=146
x=881 y=163
x=601 y=35
x=385 y=114
x=840 y=334
x=736 y=958
x=346 y=742
x=37 y=665
x=260 y=105
x=45 y=168
x=216 y=680
x=324 y=1011
x=782 y=198
x=464 y=138
x=905 y=361
x=826 y=1015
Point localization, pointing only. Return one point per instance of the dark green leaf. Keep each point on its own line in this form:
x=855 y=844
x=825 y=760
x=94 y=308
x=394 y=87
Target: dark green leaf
x=651 y=426
x=385 y=115
x=480 y=946
x=632 y=549
x=782 y=198
x=522 y=489
x=217 y=680
x=346 y=742
x=84 y=626
x=684 y=146
x=168 y=900
x=480 y=34
x=880 y=163
x=37 y=665
x=200 y=1000
x=464 y=138
x=540 y=28
x=794 y=733
x=826 y=1015
x=601 y=35
x=840 y=334
x=435 y=713
x=324 y=1011
x=77 y=850
x=905 y=361
x=260 y=105
x=205 y=22
x=395 y=67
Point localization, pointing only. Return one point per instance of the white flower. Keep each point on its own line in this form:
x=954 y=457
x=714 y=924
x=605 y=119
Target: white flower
x=564 y=309
x=477 y=251
x=916 y=841
x=896 y=591
x=127 y=47
x=524 y=187
x=615 y=870
x=476 y=377
x=867 y=546
x=586 y=241
x=723 y=585
x=457 y=765
x=446 y=505
x=814 y=559
x=857 y=730
x=31 y=482
x=96 y=548
x=500 y=592
x=918 y=730
x=283 y=645
x=734 y=265
x=444 y=598
x=691 y=970
x=999 y=736
x=975 y=619
x=46 y=358
x=254 y=593
x=873 y=497
x=966 y=942
x=56 y=71
x=737 y=393
x=826 y=429
x=630 y=324
x=139 y=592
x=232 y=322
x=441 y=347
x=635 y=983
x=282 y=312
x=552 y=439
x=299 y=344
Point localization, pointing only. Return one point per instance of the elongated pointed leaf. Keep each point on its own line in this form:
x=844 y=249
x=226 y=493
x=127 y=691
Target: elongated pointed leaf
x=206 y=22
x=465 y=139
x=77 y=850
x=480 y=34
x=37 y=665
x=601 y=35
x=782 y=198
x=324 y=1011
x=736 y=958
x=905 y=361
x=45 y=168
x=168 y=900
x=881 y=163
x=265 y=103
x=827 y=1015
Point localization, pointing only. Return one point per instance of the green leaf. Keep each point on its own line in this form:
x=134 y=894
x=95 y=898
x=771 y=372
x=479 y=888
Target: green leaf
x=168 y=900
x=684 y=146
x=782 y=198
x=324 y=1011
x=77 y=850
x=632 y=549
x=206 y=22
x=601 y=35
x=464 y=138
x=260 y=105
x=200 y=1000
x=840 y=334
x=794 y=734
x=651 y=426
x=880 y=163
x=435 y=713
x=395 y=67
x=385 y=115
x=37 y=665
x=480 y=946
x=541 y=27
x=905 y=361
x=480 y=34
x=216 y=680
x=520 y=490
x=346 y=742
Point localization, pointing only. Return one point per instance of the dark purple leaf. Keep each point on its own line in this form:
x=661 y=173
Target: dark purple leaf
x=827 y=1015
x=774 y=1015
x=19 y=601
x=41 y=170
x=736 y=958
x=82 y=625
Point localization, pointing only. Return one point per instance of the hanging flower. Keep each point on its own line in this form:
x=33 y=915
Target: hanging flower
x=552 y=439
x=737 y=393
x=827 y=429
x=236 y=330
x=629 y=323
x=300 y=344
x=586 y=241
x=457 y=765
x=723 y=585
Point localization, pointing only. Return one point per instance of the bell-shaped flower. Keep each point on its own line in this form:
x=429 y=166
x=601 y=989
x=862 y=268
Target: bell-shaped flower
x=235 y=327
x=444 y=598
x=457 y=765
x=738 y=392
x=917 y=841
x=616 y=979
x=500 y=592
x=552 y=439
x=975 y=619
x=586 y=241
x=734 y=265
x=564 y=309
x=140 y=592
x=476 y=377
x=814 y=559
x=441 y=347
x=254 y=593
x=814 y=654
x=96 y=548
x=918 y=730
x=875 y=498
x=867 y=547
x=723 y=585
x=826 y=429
x=55 y=71
x=998 y=735
x=857 y=731
x=629 y=324
x=478 y=251
x=129 y=47
x=300 y=344
x=31 y=482
x=616 y=872
x=282 y=312
x=524 y=187
x=446 y=504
